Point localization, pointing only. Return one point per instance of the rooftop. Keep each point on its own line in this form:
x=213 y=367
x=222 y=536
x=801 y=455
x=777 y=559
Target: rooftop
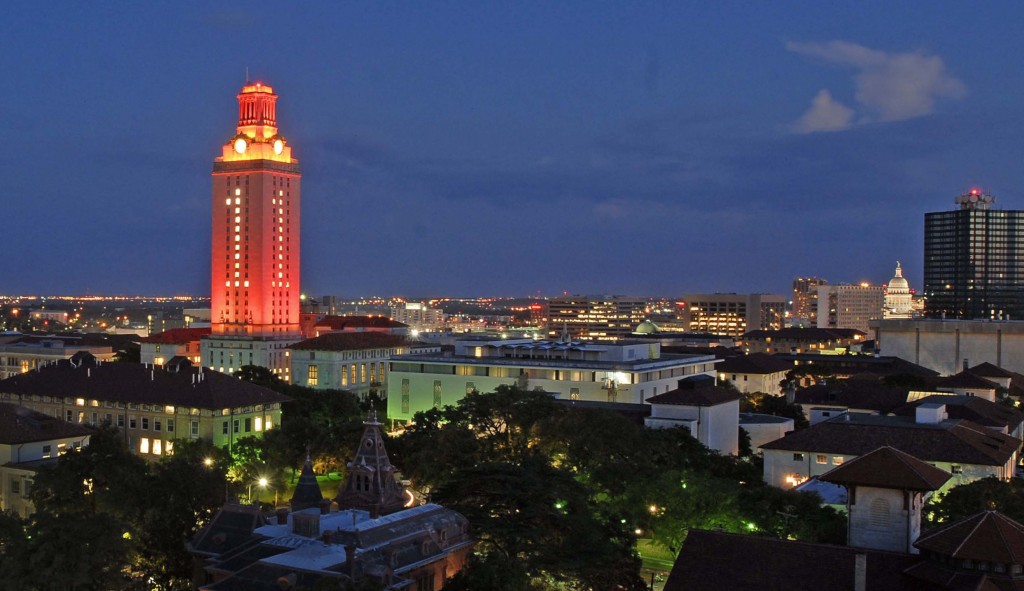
x=888 y=467
x=957 y=441
x=634 y=365
x=22 y=425
x=177 y=336
x=343 y=322
x=352 y=341
x=981 y=411
x=697 y=396
x=987 y=536
x=181 y=385
x=755 y=363
x=806 y=334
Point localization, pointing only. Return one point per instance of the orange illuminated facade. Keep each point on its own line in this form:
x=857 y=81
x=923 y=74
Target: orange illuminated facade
x=255 y=243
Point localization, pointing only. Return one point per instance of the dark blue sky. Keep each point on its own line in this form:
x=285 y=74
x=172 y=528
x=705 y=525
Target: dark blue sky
x=508 y=148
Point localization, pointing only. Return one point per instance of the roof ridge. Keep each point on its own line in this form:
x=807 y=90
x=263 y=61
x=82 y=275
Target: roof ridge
x=981 y=519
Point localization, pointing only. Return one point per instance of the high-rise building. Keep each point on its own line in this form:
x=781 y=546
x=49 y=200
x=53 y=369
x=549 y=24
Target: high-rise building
x=974 y=260
x=732 y=314
x=850 y=306
x=805 y=299
x=255 y=256
x=603 y=318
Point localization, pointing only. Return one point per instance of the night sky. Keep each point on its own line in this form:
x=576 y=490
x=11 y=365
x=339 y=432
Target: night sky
x=471 y=148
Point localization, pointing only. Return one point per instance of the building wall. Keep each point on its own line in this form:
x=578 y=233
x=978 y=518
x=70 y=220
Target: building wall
x=784 y=470
x=850 y=306
x=733 y=314
x=943 y=345
x=230 y=354
x=358 y=371
x=161 y=353
x=144 y=425
x=881 y=519
x=769 y=383
x=762 y=433
x=717 y=427
x=18 y=358
x=605 y=318
x=414 y=387
x=16 y=481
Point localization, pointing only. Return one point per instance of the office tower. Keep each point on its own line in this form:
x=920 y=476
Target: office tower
x=850 y=306
x=733 y=314
x=255 y=254
x=604 y=318
x=805 y=298
x=974 y=260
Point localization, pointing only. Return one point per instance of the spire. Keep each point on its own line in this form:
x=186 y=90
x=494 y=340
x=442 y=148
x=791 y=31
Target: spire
x=899 y=271
x=307 y=491
x=371 y=484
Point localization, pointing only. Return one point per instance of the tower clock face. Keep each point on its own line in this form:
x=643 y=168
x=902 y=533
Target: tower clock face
x=278 y=146
x=240 y=145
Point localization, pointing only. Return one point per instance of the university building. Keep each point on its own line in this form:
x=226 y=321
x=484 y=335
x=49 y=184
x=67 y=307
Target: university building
x=733 y=314
x=600 y=318
x=622 y=372
x=152 y=406
x=255 y=259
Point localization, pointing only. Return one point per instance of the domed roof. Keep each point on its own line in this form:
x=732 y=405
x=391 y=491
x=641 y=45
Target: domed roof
x=646 y=327
x=898 y=283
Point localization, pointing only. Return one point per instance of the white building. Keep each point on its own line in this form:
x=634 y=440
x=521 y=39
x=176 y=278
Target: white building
x=624 y=372
x=418 y=316
x=965 y=449
x=763 y=428
x=709 y=413
x=757 y=372
x=849 y=306
x=898 y=299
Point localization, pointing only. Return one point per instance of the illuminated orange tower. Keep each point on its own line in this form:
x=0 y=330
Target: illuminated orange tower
x=255 y=256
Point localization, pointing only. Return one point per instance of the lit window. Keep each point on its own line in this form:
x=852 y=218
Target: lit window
x=144 y=445
x=157 y=447
x=238 y=238
x=238 y=219
x=258 y=423
x=227 y=201
x=821 y=459
x=837 y=460
x=237 y=200
x=246 y=283
x=311 y=375
x=237 y=192
x=238 y=209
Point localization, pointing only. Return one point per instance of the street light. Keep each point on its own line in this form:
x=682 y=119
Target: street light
x=262 y=482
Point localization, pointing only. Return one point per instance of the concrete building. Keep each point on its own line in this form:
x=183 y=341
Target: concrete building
x=255 y=259
x=599 y=318
x=30 y=441
x=850 y=306
x=946 y=345
x=152 y=406
x=965 y=449
x=733 y=314
x=974 y=261
x=158 y=348
x=376 y=537
x=353 y=361
x=624 y=372
x=805 y=301
x=764 y=428
x=418 y=316
x=709 y=413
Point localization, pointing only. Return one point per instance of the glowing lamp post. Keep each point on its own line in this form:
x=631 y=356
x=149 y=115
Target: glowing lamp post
x=262 y=482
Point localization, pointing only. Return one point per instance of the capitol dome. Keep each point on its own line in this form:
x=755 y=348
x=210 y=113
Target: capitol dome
x=898 y=299
x=898 y=284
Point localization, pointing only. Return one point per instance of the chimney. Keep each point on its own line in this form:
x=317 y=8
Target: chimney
x=350 y=557
x=88 y=372
x=930 y=413
x=325 y=506
x=965 y=364
x=282 y=516
x=860 y=572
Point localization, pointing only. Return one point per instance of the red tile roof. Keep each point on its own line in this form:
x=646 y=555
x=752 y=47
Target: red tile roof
x=989 y=536
x=888 y=467
x=177 y=336
x=136 y=383
x=973 y=408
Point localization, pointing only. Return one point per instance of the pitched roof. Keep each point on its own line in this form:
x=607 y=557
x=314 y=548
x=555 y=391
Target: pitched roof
x=177 y=336
x=989 y=370
x=965 y=379
x=981 y=411
x=989 y=536
x=862 y=394
x=958 y=441
x=714 y=561
x=137 y=383
x=23 y=425
x=888 y=467
x=343 y=322
x=699 y=396
x=755 y=363
x=349 y=341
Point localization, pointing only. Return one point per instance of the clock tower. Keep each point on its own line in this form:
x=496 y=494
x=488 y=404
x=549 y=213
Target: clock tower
x=254 y=292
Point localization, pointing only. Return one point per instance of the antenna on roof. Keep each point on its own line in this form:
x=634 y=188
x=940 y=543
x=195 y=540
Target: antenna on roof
x=247 y=74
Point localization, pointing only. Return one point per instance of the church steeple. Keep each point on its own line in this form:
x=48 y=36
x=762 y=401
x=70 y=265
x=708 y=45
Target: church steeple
x=371 y=484
x=307 y=491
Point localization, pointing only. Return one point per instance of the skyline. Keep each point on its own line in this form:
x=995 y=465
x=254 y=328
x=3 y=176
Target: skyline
x=477 y=149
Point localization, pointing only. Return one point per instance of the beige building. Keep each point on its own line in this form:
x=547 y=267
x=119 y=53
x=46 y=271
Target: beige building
x=899 y=301
x=733 y=314
x=600 y=318
x=353 y=361
x=946 y=345
x=805 y=300
x=161 y=347
x=757 y=372
x=26 y=353
x=29 y=441
x=418 y=316
x=152 y=406
x=850 y=306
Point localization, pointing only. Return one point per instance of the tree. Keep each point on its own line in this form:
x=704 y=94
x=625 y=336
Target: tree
x=981 y=495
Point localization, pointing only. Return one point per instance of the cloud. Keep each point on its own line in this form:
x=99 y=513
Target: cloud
x=888 y=86
x=825 y=114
